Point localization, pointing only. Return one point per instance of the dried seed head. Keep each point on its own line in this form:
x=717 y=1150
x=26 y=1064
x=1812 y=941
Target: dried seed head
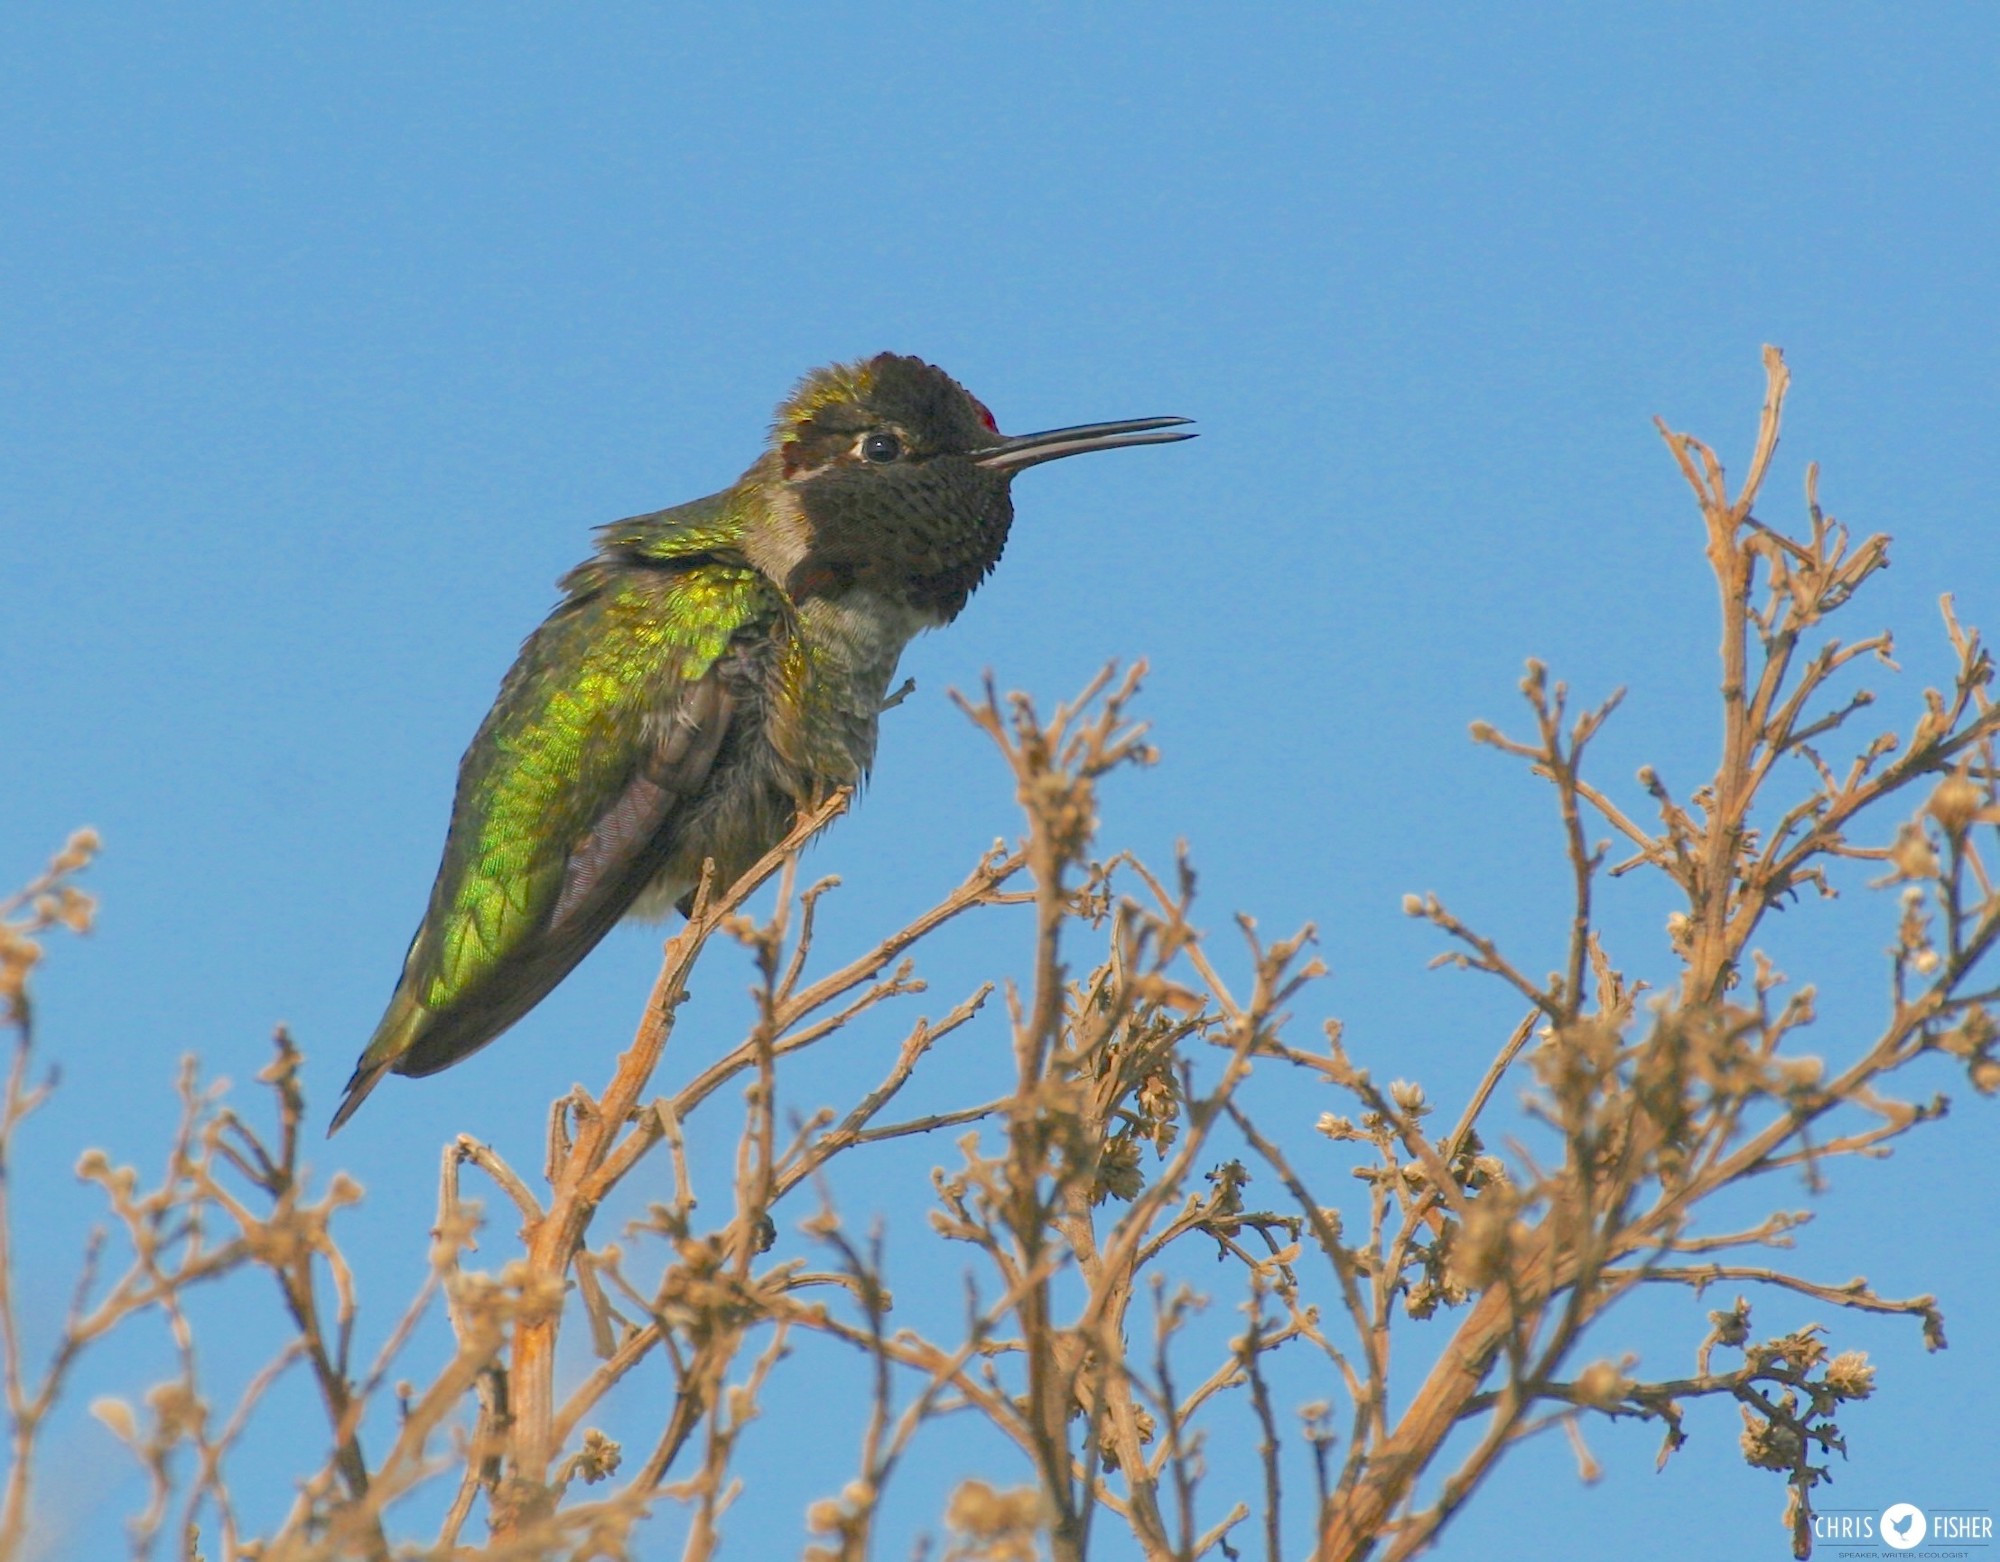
x=1487 y=1171
x=177 y=1410
x=1601 y=1385
x=1478 y=1256
x=1850 y=1376
x=1955 y=804
x=1731 y=1328
x=599 y=1457
x=1768 y=1445
x=117 y=1416
x=1912 y=855
x=1001 y=1524
x=1118 y=1173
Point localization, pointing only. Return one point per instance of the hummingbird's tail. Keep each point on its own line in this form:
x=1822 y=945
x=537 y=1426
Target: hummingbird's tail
x=416 y=1039
x=364 y=1080
x=392 y=1041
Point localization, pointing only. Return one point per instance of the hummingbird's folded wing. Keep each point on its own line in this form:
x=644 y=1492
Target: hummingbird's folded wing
x=606 y=728
x=674 y=763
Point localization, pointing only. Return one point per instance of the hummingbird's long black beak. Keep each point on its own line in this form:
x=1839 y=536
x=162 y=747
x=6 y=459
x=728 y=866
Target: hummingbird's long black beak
x=1026 y=450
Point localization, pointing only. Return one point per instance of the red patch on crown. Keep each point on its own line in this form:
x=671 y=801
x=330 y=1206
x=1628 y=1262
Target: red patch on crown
x=985 y=416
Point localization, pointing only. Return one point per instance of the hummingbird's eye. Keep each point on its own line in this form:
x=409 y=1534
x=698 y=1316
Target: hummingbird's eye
x=881 y=447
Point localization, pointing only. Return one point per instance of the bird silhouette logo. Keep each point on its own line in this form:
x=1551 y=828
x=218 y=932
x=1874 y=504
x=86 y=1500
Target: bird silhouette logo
x=1903 y=1526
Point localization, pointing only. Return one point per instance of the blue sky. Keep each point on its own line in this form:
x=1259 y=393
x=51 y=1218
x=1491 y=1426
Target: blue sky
x=329 y=333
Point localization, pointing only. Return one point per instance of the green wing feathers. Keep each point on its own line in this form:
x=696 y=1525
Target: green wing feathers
x=609 y=721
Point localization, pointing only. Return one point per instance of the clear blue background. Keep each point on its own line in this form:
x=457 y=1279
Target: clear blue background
x=326 y=335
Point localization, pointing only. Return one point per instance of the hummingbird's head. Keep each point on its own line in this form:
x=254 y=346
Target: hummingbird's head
x=900 y=477
x=883 y=412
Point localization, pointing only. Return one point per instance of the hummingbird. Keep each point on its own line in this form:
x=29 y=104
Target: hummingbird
x=711 y=670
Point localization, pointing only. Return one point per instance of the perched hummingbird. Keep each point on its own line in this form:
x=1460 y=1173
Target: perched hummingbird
x=710 y=670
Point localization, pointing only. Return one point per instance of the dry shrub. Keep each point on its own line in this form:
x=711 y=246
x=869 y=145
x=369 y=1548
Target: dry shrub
x=1089 y=1204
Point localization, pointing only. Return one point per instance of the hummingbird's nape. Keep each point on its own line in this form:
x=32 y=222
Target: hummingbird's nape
x=710 y=670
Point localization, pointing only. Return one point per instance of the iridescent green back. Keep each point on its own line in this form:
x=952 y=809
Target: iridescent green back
x=559 y=747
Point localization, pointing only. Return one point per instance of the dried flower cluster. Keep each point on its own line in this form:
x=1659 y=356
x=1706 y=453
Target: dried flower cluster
x=1089 y=1204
